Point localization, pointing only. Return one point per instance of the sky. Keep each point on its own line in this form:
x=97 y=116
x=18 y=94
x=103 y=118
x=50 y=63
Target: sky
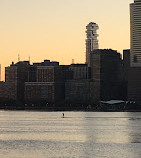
x=55 y=29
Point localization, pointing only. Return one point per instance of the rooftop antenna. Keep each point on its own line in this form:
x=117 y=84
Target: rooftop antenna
x=29 y=59
x=18 y=57
x=72 y=61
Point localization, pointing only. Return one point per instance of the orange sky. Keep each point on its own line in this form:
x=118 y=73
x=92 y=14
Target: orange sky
x=55 y=29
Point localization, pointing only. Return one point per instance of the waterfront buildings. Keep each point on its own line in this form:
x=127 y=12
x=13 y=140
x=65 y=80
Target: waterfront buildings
x=49 y=82
x=49 y=85
x=46 y=82
x=103 y=77
x=91 y=41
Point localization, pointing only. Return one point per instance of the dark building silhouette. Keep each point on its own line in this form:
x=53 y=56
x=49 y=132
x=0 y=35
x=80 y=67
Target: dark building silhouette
x=134 y=84
x=48 y=84
x=126 y=63
x=37 y=92
x=82 y=92
x=47 y=63
x=106 y=67
x=80 y=71
x=15 y=77
x=81 y=89
x=126 y=69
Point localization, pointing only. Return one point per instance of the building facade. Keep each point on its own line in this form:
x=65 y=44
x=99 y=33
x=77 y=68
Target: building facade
x=91 y=41
x=135 y=21
x=49 y=92
x=84 y=92
x=106 y=67
x=134 y=75
x=134 y=84
x=49 y=85
x=15 y=77
x=80 y=71
x=126 y=63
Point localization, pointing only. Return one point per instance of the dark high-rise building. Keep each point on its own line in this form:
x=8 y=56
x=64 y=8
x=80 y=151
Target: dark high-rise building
x=106 y=67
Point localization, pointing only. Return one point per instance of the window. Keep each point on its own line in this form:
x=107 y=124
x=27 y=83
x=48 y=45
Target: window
x=135 y=59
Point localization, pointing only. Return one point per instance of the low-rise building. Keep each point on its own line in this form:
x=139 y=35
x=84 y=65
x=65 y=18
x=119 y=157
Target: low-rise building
x=48 y=92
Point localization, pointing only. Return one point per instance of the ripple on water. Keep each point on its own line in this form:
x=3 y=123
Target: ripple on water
x=81 y=135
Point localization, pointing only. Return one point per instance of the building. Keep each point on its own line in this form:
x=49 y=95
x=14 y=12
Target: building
x=43 y=81
x=134 y=75
x=80 y=71
x=8 y=91
x=48 y=84
x=47 y=63
x=126 y=63
x=82 y=92
x=15 y=77
x=2 y=90
x=48 y=92
x=135 y=21
x=126 y=70
x=134 y=84
x=80 y=89
x=91 y=41
x=106 y=71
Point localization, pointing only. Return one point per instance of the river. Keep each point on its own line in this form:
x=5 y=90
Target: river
x=77 y=135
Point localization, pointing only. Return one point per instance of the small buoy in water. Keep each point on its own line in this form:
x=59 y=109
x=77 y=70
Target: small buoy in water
x=63 y=115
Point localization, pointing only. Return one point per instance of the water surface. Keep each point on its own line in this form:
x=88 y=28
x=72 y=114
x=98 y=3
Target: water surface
x=78 y=135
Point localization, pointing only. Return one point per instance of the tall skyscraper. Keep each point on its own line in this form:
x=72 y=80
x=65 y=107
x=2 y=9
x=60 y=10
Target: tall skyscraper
x=134 y=73
x=135 y=21
x=91 y=41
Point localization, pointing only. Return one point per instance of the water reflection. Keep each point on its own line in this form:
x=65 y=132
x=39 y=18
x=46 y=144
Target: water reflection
x=84 y=135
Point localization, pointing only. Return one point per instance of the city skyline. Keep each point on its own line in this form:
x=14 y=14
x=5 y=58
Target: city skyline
x=48 y=30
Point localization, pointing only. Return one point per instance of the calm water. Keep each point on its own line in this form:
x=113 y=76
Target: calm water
x=78 y=135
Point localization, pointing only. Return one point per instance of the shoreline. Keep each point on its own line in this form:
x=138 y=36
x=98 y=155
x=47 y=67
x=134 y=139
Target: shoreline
x=65 y=110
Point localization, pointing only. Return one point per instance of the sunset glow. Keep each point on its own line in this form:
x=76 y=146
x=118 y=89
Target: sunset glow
x=55 y=30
